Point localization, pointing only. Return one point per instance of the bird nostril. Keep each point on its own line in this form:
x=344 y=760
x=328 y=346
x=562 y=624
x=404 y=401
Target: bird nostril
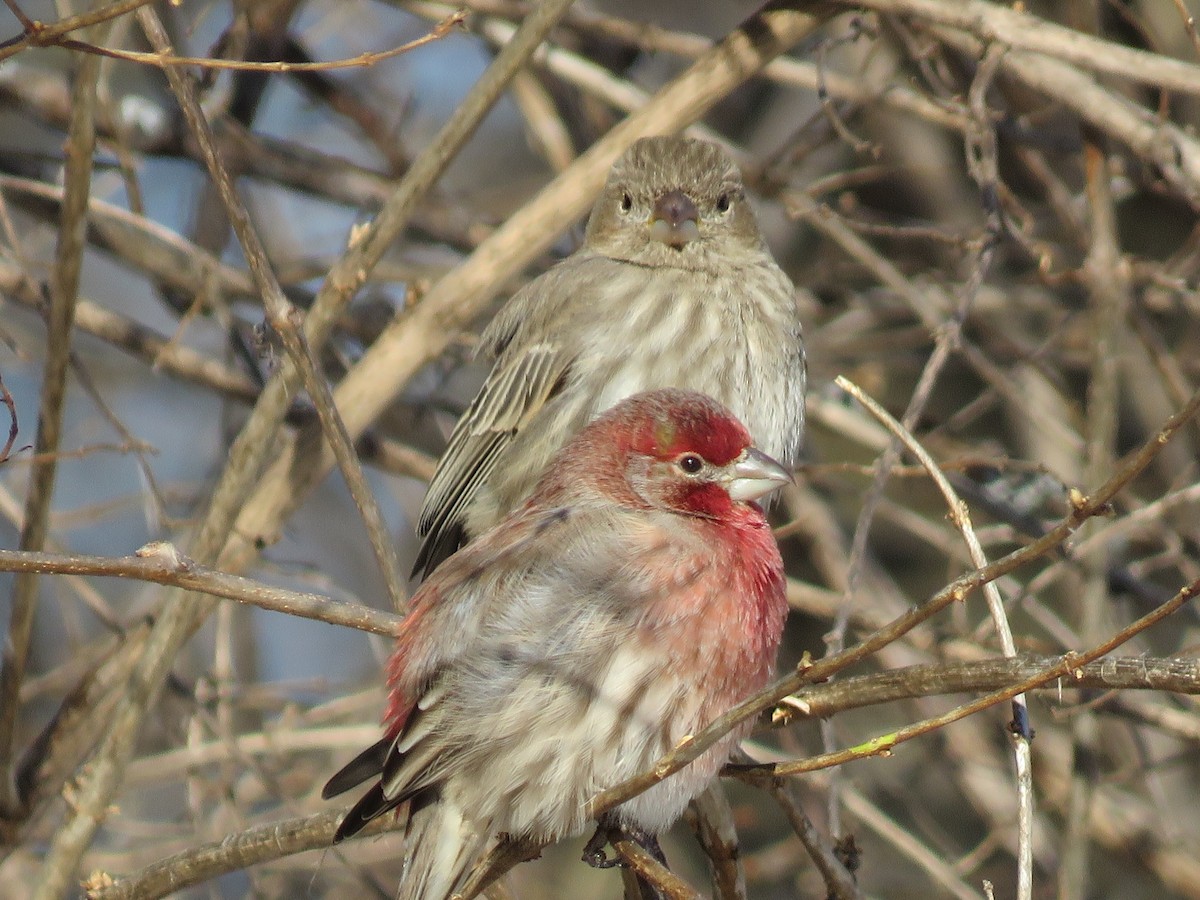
x=675 y=207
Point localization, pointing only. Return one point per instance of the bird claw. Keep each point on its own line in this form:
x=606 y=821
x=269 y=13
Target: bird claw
x=593 y=850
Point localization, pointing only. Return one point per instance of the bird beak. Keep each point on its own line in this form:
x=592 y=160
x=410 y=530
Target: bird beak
x=674 y=220
x=755 y=474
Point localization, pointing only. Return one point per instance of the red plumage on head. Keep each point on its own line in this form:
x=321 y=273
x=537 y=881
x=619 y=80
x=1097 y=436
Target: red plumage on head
x=677 y=422
x=663 y=424
x=660 y=425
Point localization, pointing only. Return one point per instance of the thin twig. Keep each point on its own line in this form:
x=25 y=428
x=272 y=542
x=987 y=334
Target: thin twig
x=839 y=882
x=237 y=851
x=711 y=817
x=165 y=59
x=547 y=130
x=820 y=701
x=950 y=874
x=13 y=430
x=995 y=23
x=286 y=321
x=40 y=34
x=1107 y=280
x=161 y=563
x=1064 y=667
x=1170 y=148
x=1189 y=24
x=143 y=343
x=649 y=869
x=588 y=76
x=64 y=290
x=961 y=517
x=947 y=341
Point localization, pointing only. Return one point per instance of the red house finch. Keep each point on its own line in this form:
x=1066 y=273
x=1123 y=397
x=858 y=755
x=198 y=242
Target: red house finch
x=636 y=597
x=673 y=287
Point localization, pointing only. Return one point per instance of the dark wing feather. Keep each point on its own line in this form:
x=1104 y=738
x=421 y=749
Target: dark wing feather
x=422 y=762
x=367 y=764
x=402 y=773
x=514 y=392
x=370 y=805
x=410 y=765
x=443 y=526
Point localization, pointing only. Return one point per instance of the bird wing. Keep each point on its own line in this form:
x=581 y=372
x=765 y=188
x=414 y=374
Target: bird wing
x=443 y=628
x=516 y=389
x=525 y=376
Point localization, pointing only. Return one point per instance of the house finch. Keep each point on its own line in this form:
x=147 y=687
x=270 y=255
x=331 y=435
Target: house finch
x=673 y=287
x=636 y=597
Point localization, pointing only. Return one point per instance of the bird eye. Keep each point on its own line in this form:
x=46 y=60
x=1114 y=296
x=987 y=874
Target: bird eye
x=691 y=463
x=724 y=202
x=626 y=202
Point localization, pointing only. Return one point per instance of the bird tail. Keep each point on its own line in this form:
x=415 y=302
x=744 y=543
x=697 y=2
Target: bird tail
x=441 y=849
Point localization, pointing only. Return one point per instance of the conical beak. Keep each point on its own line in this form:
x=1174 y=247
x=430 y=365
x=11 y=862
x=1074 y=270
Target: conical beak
x=674 y=220
x=755 y=474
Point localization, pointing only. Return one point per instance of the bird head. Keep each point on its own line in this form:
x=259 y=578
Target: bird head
x=676 y=202
x=679 y=451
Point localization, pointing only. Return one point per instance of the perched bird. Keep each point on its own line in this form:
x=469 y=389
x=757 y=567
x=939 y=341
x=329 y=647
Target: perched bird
x=636 y=597
x=673 y=287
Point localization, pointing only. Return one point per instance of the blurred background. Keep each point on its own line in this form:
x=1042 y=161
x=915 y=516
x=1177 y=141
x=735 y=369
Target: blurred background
x=999 y=243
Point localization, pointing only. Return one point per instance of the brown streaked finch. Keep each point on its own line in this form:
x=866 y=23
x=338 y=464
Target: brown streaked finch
x=673 y=287
x=636 y=597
